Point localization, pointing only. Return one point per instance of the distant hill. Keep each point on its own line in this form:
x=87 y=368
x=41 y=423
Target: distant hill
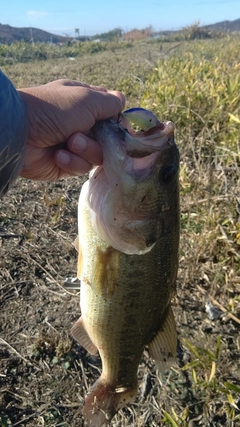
x=219 y=27
x=10 y=34
x=228 y=26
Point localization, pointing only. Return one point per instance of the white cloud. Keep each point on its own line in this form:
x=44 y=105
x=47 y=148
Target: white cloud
x=37 y=14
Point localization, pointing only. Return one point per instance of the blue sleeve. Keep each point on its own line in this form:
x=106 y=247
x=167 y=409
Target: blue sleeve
x=13 y=133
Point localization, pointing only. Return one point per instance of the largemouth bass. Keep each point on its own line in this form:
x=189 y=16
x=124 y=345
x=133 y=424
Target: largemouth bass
x=128 y=217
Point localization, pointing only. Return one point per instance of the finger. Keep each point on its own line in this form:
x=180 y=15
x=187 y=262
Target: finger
x=68 y=82
x=85 y=147
x=116 y=93
x=120 y=96
x=106 y=104
x=71 y=163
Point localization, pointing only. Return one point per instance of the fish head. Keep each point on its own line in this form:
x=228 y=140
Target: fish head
x=135 y=191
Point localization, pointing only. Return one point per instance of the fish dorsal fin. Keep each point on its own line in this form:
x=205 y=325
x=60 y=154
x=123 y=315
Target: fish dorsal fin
x=163 y=347
x=80 y=334
x=78 y=248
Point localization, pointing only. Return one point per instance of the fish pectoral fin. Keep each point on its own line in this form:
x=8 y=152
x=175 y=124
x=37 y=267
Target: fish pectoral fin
x=80 y=334
x=76 y=243
x=80 y=264
x=163 y=347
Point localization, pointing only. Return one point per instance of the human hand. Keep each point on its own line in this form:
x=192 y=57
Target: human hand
x=60 y=116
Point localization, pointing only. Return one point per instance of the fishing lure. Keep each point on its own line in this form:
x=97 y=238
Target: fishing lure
x=141 y=117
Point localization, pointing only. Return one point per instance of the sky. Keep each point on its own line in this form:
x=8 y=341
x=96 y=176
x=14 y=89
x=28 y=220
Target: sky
x=98 y=16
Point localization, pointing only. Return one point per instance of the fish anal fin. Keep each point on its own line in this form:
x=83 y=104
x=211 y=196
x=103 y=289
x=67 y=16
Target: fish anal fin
x=80 y=334
x=163 y=347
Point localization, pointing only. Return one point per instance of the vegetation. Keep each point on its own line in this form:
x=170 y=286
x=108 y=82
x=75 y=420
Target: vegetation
x=114 y=34
x=21 y=51
x=27 y=52
x=10 y=34
x=195 y=84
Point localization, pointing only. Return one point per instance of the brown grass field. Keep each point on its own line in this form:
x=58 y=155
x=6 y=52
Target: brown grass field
x=44 y=374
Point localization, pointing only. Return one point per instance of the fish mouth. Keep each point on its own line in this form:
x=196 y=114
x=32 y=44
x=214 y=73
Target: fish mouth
x=119 y=140
x=142 y=143
x=137 y=144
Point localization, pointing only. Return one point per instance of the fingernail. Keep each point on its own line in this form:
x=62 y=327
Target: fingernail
x=63 y=158
x=79 y=143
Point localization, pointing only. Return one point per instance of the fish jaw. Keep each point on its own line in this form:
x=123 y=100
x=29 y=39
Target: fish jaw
x=124 y=194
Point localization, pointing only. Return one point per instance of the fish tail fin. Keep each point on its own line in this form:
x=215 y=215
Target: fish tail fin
x=104 y=401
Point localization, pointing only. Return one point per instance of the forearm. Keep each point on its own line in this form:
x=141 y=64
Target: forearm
x=13 y=134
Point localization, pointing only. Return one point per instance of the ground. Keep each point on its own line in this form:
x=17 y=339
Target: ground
x=45 y=375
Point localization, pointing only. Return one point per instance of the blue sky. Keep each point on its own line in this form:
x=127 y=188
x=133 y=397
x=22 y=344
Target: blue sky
x=97 y=16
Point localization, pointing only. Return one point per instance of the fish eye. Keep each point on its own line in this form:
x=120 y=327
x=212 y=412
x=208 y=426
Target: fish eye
x=167 y=173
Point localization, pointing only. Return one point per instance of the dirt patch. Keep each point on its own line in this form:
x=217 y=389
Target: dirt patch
x=44 y=374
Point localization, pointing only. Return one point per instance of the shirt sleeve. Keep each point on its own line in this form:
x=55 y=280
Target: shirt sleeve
x=13 y=133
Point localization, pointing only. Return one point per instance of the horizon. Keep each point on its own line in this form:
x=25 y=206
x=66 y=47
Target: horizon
x=123 y=32
x=159 y=14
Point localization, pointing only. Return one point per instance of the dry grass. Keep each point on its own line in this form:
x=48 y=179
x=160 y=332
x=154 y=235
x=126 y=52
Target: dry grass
x=44 y=374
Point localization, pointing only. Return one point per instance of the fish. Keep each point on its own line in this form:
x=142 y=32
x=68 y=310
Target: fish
x=128 y=239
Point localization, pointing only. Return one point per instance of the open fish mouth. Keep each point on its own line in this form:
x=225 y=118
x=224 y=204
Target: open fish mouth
x=142 y=146
x=144 y=142
x=152 y=134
